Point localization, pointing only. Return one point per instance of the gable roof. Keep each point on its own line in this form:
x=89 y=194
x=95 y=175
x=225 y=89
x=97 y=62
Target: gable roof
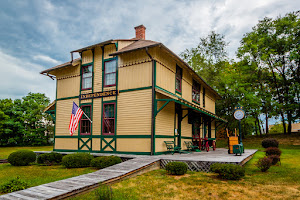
x=142 y=44
x=60 y=66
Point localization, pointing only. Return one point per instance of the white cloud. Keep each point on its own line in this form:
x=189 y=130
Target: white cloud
x=46 y=59
x=19 y=77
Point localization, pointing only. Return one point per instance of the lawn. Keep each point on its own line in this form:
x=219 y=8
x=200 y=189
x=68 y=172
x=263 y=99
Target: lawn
x=5 y=151
x=35 y=174
x=280 y=182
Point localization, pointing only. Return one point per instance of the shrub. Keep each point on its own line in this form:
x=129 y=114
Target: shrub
x=269 y=142
x=228 y=171
x=215 y=167
x=176 y=168
x=49 y=158
x=21 y=157
x=77 y=160
x=273 y=151
x=104 y=192
x=264 y=164
x=105 y=161
x=275 y=159
x=14 y=184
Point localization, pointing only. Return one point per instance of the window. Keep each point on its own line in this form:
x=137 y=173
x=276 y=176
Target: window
x=87 y=73
x=196 y=92
x=110 y=69
x=178 y=79
x=203 y=97
x=85 y=124
x=108 y=119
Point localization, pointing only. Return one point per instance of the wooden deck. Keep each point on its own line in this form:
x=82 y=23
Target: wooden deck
x=134 y=165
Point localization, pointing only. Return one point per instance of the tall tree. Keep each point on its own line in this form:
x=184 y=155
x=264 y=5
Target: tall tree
x=273 y=45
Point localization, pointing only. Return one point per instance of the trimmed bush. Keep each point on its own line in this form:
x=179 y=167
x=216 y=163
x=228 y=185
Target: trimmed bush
x=264 y=164
x=14 y=184
x=269 y=142
x=104 y=192
x=21 y=157
x=77 y=160
x=275 y=159
x=49 y=158
x=228 y=171
x=273 y=151
x=105 y=161
x=216 y=167
x=176 y=168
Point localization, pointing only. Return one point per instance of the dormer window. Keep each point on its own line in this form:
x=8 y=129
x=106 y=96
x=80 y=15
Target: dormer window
x=178 y=81
x=87 y=77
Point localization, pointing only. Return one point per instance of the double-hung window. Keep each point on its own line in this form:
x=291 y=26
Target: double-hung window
x=87 y=77
x=85 y=124
x=108 y=119
x=110 y=71
x=196 y=92
x=178 y=80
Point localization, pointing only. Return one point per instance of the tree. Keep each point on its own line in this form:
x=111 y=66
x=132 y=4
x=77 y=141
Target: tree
x=273 y=45
x=23 y=122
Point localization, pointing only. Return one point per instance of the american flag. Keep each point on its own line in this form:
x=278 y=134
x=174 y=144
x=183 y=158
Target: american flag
x=75 y=117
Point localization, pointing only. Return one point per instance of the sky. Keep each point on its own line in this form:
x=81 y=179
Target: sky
x=39 y=34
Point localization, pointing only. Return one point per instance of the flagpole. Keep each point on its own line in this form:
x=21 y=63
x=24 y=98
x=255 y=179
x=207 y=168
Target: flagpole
x=87 y=117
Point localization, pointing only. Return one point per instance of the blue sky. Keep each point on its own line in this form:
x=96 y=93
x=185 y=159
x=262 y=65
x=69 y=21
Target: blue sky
x=39 y=34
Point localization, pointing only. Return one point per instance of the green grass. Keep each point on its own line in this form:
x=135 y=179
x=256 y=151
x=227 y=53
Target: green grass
x=5 y=151
x=279 y=182
x=36 y=175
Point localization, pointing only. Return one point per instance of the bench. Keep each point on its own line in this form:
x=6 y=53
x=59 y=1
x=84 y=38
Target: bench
x=190 y=146
x=171 y=147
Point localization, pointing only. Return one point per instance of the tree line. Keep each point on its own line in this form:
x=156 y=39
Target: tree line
x=264 y=80
x=23 y=121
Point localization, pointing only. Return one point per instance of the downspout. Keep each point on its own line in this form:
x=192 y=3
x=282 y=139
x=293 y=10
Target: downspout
x=153 y=102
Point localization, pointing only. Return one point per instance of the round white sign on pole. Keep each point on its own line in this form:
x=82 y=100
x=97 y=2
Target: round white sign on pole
x=239 y=114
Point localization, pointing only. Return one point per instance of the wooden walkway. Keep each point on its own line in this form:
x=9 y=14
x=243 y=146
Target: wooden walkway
x=136 y=164
x=71 y=186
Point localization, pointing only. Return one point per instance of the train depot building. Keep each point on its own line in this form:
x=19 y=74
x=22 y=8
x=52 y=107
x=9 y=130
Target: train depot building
x=137 y=93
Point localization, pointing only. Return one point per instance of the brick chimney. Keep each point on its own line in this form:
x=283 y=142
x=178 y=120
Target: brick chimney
x=140 y=32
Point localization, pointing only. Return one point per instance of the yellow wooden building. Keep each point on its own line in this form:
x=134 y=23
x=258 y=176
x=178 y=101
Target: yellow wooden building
x=138 y=94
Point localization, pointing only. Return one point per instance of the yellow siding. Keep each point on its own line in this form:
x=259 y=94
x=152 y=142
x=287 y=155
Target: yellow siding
x=108 y=49
x=68 y=82
x=87 y=57
x=86 y=101
x=96 y=144
x=66 y=143
x=210 y=102
x=134 y=113
x=122 y=44
x=164 y=124
x=63 y=114
x=98 y=70
x=165 y=77
x=134 y=145
x=97 y=117
x=213 y=129
x=135 y=76
x=133 y=58
x=109 y=98
x=186 y=128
